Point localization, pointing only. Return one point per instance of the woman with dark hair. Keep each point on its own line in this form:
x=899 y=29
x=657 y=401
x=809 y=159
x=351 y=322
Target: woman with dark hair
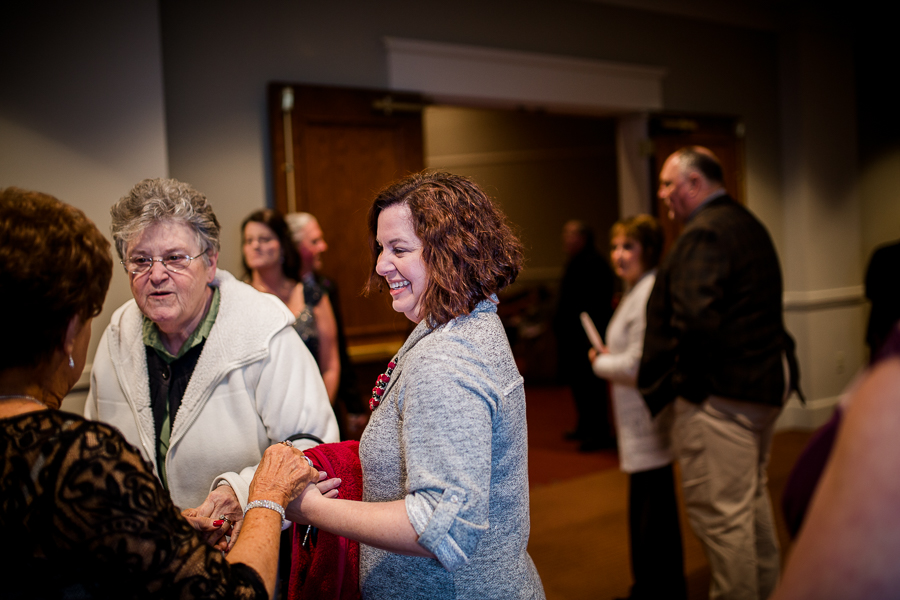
x=273 y=265
x=445 y=455
x=82 y=515
x=645 y=451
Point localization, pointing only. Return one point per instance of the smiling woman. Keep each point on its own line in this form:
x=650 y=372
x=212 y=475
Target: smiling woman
x=400 y=260
x=644 y=443
x=199 y=362
x=444 y=457
x=272 y=264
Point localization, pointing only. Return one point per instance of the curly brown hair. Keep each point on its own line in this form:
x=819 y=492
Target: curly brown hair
x=469 y=249
x=54 y=264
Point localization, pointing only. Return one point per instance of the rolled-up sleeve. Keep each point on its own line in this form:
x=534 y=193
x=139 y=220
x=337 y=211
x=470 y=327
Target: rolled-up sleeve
x=448 y=407
x=435 y=517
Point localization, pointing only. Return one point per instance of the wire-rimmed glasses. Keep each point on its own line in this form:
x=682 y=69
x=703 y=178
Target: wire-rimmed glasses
x=138 y=265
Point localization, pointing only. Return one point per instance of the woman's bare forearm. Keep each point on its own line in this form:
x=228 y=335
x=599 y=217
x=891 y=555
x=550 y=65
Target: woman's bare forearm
x=383 y=525
x=329 y=360
x=257 y=545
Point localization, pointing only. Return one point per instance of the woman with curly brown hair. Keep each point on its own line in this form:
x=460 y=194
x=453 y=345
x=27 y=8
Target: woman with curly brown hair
x=445 y=457
x=82 y=515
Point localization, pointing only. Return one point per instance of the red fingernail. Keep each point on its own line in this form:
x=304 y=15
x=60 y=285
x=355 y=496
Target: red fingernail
x=218 y=522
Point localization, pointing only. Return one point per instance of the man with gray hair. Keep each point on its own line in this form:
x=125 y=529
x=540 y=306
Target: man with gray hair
x=310 y=241
x=716 y=345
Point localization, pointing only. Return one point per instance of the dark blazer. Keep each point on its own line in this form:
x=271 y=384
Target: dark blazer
x=883 y=290
x=714 y=318
x=586 y=286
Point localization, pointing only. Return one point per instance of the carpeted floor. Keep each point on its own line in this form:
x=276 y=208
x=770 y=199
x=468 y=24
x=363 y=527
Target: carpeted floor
x=579 y=536
x=551 y=458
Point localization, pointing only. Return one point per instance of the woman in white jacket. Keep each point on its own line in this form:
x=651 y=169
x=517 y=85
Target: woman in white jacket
x=644 y=447
x=200 y=371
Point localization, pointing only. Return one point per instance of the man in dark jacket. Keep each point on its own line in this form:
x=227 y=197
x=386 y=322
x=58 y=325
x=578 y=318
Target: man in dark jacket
x=716 y=345
x=586 y=286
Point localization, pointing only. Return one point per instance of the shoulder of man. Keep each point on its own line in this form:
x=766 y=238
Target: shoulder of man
x=733 y=223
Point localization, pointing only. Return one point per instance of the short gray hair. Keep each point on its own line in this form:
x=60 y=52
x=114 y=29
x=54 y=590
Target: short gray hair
x=155 y=201
x=701 y=160
x=297 y=222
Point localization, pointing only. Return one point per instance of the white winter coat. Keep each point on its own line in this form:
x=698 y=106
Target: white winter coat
x=644 y=441
x=254 y=384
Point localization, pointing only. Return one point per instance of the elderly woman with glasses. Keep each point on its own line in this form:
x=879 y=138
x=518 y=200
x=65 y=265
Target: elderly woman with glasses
x=200 y=371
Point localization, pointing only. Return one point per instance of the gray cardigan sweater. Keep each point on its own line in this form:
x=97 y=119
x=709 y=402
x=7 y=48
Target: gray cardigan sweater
x=450 y=438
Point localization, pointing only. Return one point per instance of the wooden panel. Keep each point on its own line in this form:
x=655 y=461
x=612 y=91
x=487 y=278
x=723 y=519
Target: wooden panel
x=345 y=150
x=722 y=135
x=350 y=164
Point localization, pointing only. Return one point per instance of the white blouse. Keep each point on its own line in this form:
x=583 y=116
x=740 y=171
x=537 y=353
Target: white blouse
x=644 y=442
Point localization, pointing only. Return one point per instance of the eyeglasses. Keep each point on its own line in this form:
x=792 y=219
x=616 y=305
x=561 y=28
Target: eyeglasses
x=138 y=265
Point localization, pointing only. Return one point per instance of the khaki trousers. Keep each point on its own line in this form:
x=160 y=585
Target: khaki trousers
x=723 y=449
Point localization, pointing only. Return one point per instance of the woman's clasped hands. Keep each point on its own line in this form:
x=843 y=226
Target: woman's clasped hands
x=284 y=473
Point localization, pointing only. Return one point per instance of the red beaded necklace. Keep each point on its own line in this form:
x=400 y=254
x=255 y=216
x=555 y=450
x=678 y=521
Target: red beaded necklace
x=381 y=383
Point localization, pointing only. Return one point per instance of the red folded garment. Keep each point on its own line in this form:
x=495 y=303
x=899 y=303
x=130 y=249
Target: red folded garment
x=328 y=569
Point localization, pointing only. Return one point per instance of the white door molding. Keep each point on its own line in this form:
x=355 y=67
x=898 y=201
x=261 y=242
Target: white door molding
x=460 y=74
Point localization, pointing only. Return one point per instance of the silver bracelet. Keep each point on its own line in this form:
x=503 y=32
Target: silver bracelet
x=271 y=506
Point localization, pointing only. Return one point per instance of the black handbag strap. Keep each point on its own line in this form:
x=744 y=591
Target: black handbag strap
x=305 y=436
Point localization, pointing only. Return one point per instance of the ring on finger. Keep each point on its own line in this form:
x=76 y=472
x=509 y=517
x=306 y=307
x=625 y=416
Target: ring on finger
x=287 y=443
x=222 y=520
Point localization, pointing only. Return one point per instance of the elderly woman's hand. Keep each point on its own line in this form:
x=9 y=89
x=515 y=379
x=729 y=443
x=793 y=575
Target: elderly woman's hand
x=221 y=502
x=212 y=533
x=282 y=475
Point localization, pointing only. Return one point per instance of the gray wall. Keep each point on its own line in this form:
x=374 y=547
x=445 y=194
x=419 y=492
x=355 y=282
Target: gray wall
x=219 y=56
x=81 y=108
x=97 y=97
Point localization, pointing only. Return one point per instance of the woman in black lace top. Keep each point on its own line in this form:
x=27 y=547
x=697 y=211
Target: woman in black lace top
x=81 y=513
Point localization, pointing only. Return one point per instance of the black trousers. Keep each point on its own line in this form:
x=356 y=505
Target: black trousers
x=657 y=557
x=591 y=396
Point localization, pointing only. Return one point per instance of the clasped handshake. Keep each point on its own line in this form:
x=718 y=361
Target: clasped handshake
x=283 y=479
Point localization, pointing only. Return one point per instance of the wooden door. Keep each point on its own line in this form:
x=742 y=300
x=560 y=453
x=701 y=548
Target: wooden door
x=345 y=145
x=722 y=135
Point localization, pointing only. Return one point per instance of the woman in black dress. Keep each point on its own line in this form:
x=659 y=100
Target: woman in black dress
x=81 y=513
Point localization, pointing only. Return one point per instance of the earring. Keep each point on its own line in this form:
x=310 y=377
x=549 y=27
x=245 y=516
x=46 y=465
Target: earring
x=71 y=362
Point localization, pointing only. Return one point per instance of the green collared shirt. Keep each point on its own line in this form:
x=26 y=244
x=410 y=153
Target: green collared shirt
x=153 y=339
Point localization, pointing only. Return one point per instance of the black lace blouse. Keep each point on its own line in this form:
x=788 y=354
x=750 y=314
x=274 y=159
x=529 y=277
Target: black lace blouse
x=83 y=516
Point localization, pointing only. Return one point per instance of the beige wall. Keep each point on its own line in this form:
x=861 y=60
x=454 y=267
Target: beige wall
x=102 y=95
x=81 y=110
x=542 y=169
x=218 y=61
